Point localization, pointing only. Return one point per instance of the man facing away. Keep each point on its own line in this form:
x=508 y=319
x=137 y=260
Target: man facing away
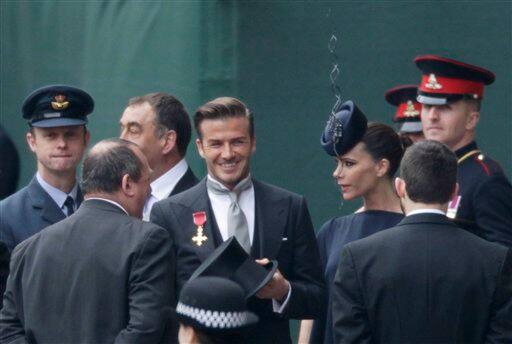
x=57 y=116
x=269 y=222
x=159 y=124
x=425 y=280
x=101 y=275
x=451 y=94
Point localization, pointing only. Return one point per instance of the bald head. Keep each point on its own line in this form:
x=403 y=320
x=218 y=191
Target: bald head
x=106 y=164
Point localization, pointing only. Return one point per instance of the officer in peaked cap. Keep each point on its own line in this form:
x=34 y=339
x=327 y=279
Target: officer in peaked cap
x=451 y=93
x=57 y=118
x=408 y=111
x=213 y=309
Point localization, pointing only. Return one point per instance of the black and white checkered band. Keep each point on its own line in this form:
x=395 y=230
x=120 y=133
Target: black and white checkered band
x=213 y=319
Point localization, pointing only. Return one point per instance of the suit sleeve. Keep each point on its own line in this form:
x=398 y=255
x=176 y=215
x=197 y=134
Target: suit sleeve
x=492 y=203
x=149 y=290
x=306 y=280
x=5 y=229
x=500 y=325
x=350 y=320
x=11 y=327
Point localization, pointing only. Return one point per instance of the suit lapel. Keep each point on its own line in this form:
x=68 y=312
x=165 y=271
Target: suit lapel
x=50 y=212
x=271 y=216
x=187 y=181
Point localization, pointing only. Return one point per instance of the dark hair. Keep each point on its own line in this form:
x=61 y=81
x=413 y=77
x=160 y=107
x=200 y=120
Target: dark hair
x=382 y=142
x=429 y=170
x=106 y=164
x=170 y=115
x=220 y=108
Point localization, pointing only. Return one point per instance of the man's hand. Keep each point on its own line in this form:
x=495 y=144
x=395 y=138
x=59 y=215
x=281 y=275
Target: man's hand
x=277 y=288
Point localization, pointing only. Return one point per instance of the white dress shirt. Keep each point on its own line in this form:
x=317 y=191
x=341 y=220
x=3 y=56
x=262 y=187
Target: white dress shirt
x=220 y=205
x=426 y=211
x=58 y=196
x=162 y=187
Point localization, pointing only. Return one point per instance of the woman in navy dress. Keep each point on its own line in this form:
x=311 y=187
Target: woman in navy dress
x=367 y=158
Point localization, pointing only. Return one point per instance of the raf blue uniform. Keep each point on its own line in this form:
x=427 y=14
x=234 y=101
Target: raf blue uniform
x=485 y=207
x=27 y=212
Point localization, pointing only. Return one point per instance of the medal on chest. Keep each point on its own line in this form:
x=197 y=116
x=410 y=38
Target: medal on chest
x=453 y=206
x=199 y=221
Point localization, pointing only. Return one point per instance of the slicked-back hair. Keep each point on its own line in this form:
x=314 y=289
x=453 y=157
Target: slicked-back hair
x=221 y=108
x=382 y=142
x=170 y=114
x=104 y=167
x=429 y=170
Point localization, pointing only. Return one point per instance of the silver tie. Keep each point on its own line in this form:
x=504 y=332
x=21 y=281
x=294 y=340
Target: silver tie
x=237 y=222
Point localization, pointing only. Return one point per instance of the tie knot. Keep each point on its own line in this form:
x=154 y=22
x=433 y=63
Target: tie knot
x=69 y=203
x=220 y=189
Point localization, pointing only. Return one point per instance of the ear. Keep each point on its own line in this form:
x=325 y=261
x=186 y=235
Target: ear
x=400 y=187
x=455 y=191
x=382 y=167
x=127 y=186
x=87 y=137
x=170 y=138
x=472 y=120
x=253 y=144
x=31 y=141
x=200 y=148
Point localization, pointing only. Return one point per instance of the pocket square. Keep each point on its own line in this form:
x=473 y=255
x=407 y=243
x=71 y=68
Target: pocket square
x=285 y=239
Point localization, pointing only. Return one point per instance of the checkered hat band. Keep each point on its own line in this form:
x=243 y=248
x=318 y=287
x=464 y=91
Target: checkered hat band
x=213 y=319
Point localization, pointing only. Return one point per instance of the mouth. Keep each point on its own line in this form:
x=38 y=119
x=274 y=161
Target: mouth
x=344 y=188
x=61 y=156
x=229 y=166
x=434 y=128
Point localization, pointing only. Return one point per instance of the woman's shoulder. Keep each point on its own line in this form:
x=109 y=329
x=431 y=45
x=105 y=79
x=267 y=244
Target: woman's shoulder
x=335 y=224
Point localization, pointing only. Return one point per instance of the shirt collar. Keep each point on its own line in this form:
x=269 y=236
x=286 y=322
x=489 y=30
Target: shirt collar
x=163 y=185
x=109 y=201
x=466 y=149
x=57 y=195
x=426 y=211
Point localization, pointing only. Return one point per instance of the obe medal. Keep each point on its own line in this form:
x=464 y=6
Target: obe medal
x=199 y=221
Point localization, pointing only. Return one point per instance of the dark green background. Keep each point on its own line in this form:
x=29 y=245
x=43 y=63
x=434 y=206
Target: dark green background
x=272 y=55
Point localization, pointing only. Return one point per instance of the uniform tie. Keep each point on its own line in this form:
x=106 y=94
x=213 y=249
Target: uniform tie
x=69 y=203
x=237 y=222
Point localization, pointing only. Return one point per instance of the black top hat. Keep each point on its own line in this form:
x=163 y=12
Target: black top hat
x=445 y=80
x=344 y=129
x=57 y=106
x=230 y=261
x=214 y=305
x=408 y=110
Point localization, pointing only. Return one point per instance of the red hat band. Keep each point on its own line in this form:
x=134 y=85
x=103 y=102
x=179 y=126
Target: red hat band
x=441 y=85
x=409 y=110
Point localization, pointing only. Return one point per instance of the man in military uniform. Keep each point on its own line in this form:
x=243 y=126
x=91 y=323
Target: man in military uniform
x=451 y=93
x=58 y=137
x=408 y=110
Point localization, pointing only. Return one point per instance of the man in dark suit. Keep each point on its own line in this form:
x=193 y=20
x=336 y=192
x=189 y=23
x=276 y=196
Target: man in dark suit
x=57 y=116
x=425 y=280
x=101 y=275
x=269 y=222
x=159 y=124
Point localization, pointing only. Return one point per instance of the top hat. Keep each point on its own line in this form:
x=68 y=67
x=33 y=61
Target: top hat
x=408 y=109
x=57 y=106
x=445 y=80
x=344 y=129
x=231 y=261
x=214 y=305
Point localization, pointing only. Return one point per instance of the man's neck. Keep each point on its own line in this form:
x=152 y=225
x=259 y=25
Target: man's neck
x=167 y=163
x=466 y=140
x=412 y=206
x=64 y=181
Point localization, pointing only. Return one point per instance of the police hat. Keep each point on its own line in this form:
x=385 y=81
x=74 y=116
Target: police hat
x=408 y=112
x=57 y=106
x=214 y=305
x=445 y=80
x=344 y=129
x=230 y=261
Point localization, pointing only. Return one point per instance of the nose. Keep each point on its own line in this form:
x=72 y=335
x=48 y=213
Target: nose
x=338 y=171
x=62 y=142
x=227 y=151
x=431 y=113
x=124 y=134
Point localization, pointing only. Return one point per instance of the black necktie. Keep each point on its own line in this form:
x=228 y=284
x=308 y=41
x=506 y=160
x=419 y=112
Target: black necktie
x=69 y=204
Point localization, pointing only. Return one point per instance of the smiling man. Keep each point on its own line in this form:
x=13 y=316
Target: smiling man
x=57 y=116
x=451 y=93
x=269 y=222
